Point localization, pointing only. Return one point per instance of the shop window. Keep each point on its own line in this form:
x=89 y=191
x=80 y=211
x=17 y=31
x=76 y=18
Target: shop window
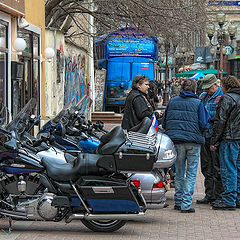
x=28 y=86
x=3 y=63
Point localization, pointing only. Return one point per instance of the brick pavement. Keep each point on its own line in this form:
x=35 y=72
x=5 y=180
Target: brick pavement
x=157 y=224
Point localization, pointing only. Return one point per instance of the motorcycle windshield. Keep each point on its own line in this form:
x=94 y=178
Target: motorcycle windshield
x=82 y=104
x=3 y=115
x=64 y=112
x=19 y=122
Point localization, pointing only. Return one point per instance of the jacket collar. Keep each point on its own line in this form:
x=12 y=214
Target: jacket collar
x=219 y=90
x=186 y=94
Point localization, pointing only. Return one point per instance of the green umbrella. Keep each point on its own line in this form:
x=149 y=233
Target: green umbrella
x=204 y=71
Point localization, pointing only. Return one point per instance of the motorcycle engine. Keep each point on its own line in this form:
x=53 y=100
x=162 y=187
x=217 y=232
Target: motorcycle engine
x=45 y=208
x=40 y=208
x=27 y=195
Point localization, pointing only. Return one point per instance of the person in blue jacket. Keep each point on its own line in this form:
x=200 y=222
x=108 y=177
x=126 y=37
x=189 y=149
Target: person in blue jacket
x=185 y=119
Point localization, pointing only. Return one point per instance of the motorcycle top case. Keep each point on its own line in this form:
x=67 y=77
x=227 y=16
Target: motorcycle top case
x=104 y=195
x=137 y=154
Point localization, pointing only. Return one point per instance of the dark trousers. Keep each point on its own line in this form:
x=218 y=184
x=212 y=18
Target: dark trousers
x=210 y=168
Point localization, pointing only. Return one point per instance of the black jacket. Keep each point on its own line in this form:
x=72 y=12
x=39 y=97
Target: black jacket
x=137 y=107
x=227 y=121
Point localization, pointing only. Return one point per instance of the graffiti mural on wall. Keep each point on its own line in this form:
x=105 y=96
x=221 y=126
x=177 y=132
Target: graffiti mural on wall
x=76 y=85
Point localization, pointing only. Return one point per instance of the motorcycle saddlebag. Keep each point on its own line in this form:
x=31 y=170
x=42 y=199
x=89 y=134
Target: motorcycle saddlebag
x=108 y=196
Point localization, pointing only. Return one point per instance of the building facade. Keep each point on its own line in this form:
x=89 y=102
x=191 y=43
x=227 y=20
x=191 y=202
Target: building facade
x=21 y=72
x=231 y=61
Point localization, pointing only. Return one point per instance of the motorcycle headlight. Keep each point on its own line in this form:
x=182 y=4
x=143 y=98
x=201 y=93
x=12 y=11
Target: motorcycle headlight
x=168 y=154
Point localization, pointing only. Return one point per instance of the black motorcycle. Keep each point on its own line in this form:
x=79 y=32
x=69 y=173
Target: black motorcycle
x=91 y=188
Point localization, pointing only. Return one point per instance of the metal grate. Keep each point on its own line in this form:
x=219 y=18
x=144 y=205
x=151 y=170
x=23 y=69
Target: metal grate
x=142 y=140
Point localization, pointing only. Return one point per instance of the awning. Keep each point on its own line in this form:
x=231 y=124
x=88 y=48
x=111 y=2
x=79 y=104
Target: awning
x=198 y=76
x=204 y=71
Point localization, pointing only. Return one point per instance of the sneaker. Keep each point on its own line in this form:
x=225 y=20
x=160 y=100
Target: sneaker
x=205 y=200
x=190 y=210
x=221 y=205
x=176 y=207
x=215 y=202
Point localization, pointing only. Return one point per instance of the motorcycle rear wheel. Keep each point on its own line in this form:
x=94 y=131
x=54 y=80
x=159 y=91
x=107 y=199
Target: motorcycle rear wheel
x=103 y=225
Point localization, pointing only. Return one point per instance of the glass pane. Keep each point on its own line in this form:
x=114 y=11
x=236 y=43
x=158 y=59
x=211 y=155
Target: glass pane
x=26 y=36
x=3 y=36
x=35 y=46
x=27 y=79
x=17 y=93
x=36 y=80
x=3 y=67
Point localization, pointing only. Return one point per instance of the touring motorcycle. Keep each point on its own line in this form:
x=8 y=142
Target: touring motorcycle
x=92 y=188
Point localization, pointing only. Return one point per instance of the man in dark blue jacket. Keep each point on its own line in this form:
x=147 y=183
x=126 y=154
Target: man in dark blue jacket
x=184 y=120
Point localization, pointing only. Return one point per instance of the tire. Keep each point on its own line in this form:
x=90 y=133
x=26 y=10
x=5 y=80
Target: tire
x=103 y=225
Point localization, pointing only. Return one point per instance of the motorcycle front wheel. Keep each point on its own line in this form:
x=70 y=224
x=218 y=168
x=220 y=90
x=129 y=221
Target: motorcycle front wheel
x=103 y=225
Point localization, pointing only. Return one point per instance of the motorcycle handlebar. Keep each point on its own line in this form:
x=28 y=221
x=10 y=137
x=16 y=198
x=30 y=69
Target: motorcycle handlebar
x=25 y=145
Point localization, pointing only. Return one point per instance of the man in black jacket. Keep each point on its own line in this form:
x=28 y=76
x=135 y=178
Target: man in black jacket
x=137 y=105
x=226 y=132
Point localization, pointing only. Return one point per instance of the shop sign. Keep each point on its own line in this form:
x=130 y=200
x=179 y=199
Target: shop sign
x=14 y=7
x=229 y=50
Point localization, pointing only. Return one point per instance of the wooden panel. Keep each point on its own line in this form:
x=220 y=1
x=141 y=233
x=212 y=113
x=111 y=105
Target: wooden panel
x=14 y=7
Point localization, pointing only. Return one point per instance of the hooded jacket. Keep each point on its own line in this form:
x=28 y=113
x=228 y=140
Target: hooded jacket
x=185 y=119
x=137 y=107
x=227 y=122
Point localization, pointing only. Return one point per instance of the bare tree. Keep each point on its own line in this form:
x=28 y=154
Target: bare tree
x=178 y=20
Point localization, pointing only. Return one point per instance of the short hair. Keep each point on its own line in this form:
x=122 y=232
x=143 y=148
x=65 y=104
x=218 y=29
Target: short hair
x=230 y=82
x=189 y=85
x=139 y=79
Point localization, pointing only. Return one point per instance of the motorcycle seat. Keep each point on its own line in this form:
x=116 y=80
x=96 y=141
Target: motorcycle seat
x=111 y=141
x=85 y=164
x=143 y=126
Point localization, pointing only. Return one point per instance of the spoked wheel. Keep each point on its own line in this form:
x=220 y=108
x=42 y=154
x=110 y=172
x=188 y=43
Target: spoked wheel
x=103 y=225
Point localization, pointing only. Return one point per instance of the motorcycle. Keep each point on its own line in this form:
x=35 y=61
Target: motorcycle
x=82 y=137
x=92 y=188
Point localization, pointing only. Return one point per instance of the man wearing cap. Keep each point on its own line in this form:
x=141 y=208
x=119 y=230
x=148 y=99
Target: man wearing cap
x=209 y=159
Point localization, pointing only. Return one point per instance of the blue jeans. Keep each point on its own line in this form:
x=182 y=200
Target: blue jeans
x=229 y=153
x=186 y=171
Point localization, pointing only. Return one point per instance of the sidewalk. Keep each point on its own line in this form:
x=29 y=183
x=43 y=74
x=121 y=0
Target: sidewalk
x=157 y=224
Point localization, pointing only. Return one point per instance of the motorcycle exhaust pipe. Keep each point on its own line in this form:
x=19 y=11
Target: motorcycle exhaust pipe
x=105 y=216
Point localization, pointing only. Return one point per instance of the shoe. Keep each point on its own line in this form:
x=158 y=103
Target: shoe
x=190 y=210
x=215 y=202
x=237 y=205
x=221 y=205
x=205 y=200
x=165 y=205
x=176 y=207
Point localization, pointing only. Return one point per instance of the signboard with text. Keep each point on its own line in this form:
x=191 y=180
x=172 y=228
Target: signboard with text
x=224 y=3
x=14 y=7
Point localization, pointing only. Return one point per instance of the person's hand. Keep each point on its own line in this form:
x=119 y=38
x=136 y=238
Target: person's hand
x=212 y=148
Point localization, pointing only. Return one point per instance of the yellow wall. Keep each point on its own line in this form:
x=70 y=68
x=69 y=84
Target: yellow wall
x=35 y=14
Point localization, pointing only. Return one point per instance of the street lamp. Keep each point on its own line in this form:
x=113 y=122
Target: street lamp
x=183 y=54
x=221 y=35
x=215 y=52
x=168 y=48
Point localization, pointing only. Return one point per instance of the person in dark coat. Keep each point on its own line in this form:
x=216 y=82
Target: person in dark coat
x=226 y=133
x=184 y=120
x=210 y=160
x=137 y=105
x=152 y=94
